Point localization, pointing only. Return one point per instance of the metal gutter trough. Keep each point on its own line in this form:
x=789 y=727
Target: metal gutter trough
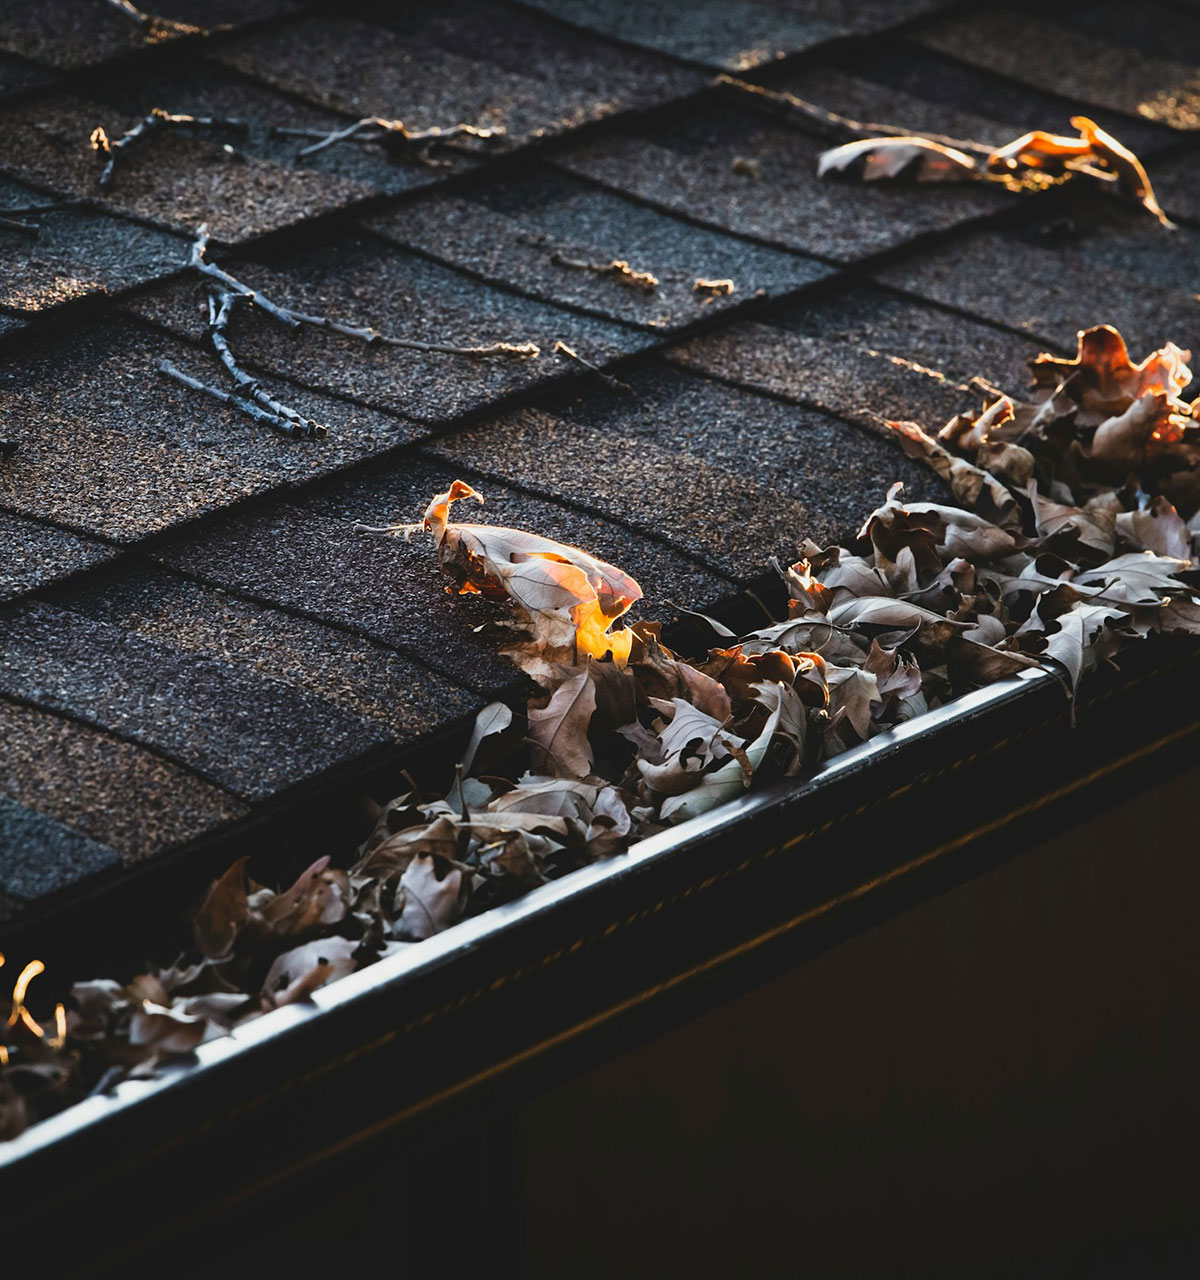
x=609 y=956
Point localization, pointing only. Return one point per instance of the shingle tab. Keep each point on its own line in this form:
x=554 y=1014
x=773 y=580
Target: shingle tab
x=71 y=254
x=39 y=855
x=1115 y=267
x=363 y=281
x=714 y=471
x=119 y=794
x=18 y=76
x=81 y=33
x=205 y=714
x=353 y=170
x=172 y=179
x=346 y=671
x=906 y=86
x=742 y=172
x=460 y=62
x=33 y=555
x=106 y=444
x=865 y=354
x=1064 y=59
x=733 y=34
x=553 y=237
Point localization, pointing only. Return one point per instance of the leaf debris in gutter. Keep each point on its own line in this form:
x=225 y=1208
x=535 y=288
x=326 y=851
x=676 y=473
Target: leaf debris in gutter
x=1073 y=532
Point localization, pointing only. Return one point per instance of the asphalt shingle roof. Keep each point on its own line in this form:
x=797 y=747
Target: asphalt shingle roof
x=191 y=631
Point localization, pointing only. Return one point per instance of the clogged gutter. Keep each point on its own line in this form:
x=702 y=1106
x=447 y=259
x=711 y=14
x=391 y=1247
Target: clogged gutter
x=1074 y=532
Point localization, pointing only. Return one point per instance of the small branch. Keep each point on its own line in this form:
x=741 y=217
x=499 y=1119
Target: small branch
x=156 y=28
x=391 y=134
x=220 y=309
x=618 y=267
x=844 y=123
x=11 y=224
x=294 y=319
x=285 y=426
x=156 y=120
x=561 y=348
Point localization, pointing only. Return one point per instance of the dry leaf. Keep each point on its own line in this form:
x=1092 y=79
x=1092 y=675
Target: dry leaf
x=918 y=158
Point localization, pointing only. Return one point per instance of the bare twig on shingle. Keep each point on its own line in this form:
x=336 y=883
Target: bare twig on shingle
x=156 y=120
x=364 y=333
x=12 y=219
x=390 y=134
x=618 y=267
x=13 y=224
x=285 y=426
x=220 y=310
x=156 y=28
x=562 y=349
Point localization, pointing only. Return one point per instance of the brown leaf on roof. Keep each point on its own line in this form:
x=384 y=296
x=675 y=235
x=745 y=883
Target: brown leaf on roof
x=1029 y=162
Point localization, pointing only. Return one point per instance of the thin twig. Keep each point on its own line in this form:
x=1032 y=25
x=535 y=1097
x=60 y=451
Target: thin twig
x=364 y=333
x=157 y=119
x=388 y=133
x=156 y=28
x=618 y=267
x=837 y=121
x=12 y=224
x=220 y=310
x=284 y=426
x=561 y=348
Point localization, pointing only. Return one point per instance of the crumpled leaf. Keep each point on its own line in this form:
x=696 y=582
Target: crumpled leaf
x=920 y=159
x=558 y=731
x=568 y=598
x=1034 y=160
x=494 y=718
x=427 y=904
x=297 y=973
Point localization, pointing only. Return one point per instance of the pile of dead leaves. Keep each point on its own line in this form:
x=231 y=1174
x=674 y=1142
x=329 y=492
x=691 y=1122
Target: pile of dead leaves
x=1073 y=531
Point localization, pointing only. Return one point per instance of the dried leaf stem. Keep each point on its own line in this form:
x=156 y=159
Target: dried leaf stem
x=156 y=28
x=618 y=267
x=155 y=121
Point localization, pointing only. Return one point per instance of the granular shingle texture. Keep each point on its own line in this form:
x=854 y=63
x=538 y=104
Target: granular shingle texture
x=712 y=470
x=904 y=85
x=745 y=173
x=79 y=33
x=34 y=555
x=195 y=710
x=119 y=794
x=72 y=253
x=1116 y=268
x=106 y=444
x=174 y=179
x=308 y=557
x=866 y=355
x=461 y=62
x=365 y=679
x=1061 y=57
x=732 y=34
x=42 y=855
x=361 y=280
x=573 y=244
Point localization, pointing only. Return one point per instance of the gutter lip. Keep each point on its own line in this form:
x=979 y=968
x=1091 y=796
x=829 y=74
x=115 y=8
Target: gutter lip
x=401 y=971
